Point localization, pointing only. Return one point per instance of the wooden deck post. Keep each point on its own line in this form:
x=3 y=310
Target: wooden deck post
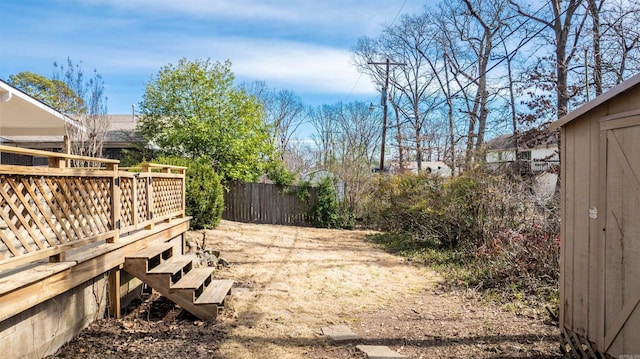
x=66 y=148
x=115 y=203
x=147 y=168
x=184 y=192
x=114 y=291
x=57 y=162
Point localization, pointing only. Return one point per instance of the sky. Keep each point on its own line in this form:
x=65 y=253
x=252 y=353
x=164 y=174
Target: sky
x=299 y=45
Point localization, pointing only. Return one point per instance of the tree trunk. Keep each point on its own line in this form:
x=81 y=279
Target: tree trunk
x=597 y=55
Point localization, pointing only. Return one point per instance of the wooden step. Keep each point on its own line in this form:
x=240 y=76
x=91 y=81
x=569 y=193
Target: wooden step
x=194 y=279
x=216 y=292
x=172 y=265
x=153 y=250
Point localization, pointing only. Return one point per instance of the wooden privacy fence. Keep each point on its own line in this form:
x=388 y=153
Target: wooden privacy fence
x=268 y=204
x=46 y=210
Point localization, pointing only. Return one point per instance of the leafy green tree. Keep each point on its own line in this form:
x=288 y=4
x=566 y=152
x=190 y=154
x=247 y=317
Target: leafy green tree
x=193 y=110
x=53 y=92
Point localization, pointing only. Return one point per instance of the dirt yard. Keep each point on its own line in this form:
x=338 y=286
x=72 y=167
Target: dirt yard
x=291 y=282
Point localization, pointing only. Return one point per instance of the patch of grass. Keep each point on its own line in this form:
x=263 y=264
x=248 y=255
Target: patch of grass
x=423 y=251
x=495 y=277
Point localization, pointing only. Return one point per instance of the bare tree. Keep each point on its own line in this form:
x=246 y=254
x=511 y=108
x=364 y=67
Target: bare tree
x=412 y=99
x=438 y=59
x=359 y=131
x=560 y=21
x=88 y=107
x=404 y=42
x=469 y=31
x=619 y=37
x=356 y=143
x=300 y=156
x=284 y=111
x=325 y=121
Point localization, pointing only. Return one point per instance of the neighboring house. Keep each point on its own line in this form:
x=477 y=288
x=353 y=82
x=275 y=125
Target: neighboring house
x=537 y=148
x=434 y=167
x=121 y=137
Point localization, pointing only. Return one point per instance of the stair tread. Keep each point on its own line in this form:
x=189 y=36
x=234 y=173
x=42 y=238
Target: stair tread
x=171 y=265
x=151 y=250
x=194 y=278
x=215 y=292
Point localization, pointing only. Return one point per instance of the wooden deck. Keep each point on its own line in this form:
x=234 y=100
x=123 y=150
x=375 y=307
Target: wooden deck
x=61 y=225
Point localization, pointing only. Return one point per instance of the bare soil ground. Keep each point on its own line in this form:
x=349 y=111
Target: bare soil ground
x=292 y=281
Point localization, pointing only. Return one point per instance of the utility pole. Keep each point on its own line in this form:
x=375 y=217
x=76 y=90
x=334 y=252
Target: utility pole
x=387 y=64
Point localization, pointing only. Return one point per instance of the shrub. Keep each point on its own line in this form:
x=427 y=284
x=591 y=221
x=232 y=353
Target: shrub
x=278 y=173
x=204 y=191
x=526 y=261
x=494 y=232
x=325 y=211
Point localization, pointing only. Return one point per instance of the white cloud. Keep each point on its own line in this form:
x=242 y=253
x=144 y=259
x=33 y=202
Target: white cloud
x=298 y=66
x=342 y=14
x=298 y=45
x=295 y=65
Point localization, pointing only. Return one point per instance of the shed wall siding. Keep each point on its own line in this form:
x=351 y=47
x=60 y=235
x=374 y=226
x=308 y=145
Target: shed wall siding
x=579 y=285
x=587 y=291
x=577 y=232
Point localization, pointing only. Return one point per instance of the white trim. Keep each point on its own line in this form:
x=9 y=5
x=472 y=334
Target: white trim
x=49 y=118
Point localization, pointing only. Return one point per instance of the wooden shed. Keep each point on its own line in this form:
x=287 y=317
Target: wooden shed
x=600 y=231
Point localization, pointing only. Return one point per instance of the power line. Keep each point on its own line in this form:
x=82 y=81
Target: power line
x=398 y=13
x=354 y=87
x=360 y=77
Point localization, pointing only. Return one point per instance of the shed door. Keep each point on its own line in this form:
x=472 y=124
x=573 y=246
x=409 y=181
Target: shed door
x=621 y=147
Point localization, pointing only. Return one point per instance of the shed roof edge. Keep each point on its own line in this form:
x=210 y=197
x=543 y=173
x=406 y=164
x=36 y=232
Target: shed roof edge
x=613 y=92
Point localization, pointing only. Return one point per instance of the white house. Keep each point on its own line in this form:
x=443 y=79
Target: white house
x=538 y=148
x=434 y=167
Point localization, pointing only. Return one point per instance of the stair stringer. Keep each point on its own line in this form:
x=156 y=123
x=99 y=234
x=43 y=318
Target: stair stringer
x=161 y=282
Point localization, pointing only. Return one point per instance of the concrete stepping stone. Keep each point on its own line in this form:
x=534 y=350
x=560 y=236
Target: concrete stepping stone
x=340 y=333
x=380 y=352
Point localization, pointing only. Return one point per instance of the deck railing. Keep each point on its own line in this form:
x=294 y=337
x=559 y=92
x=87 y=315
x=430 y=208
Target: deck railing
x=44 y=211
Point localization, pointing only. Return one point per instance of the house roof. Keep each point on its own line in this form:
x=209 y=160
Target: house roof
x=501 y=142
x=532 y=138
x=613 y=92
x=21 y=115
x=122 y=128
x=121 y=132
